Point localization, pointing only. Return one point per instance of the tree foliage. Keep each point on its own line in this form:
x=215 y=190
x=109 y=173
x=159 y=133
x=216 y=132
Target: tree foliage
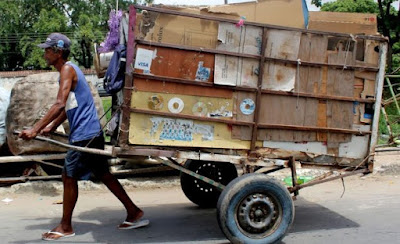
x=359 y=6
x=25 y=23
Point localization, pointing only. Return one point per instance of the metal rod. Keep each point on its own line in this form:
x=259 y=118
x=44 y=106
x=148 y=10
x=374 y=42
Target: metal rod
x=378 y=96
x=258 y=94
x=197 y=49
x=265 y=126
x=317 y=64
x=234 y=21
x=266 y=59
x=76 y=148
x=292 y=165
x=195 y=175
x=391 y=100
x=50 y=164
x=387 y=123
x=8 y=180
x=318 y=96
x=184 y=116
x=313 y=128
x=141 y=171
x=393 y=95
x=323 y=176
x=238 y=88
x=316 y=182
x=190 y=82
x=393 y=149
x=27 y=158
x=127 y=93
x=267 y=171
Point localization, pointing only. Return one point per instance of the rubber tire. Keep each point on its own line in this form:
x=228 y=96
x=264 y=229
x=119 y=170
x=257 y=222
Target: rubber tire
x=240 y=188
x=191 y=190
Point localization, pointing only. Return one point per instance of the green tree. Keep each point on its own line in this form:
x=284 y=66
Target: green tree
x=17 y=18
x=359 y=6
x=25 y=23
x=48 y=21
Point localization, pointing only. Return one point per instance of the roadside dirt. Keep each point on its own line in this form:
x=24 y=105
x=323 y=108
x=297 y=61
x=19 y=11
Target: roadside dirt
x=387 y=166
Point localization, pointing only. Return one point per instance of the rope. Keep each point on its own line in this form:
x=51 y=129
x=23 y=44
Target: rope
x=102 y=128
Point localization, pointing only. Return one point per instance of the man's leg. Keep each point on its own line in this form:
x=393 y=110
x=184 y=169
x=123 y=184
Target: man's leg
x=100 y=168
x=69 y=200
x=133 y=212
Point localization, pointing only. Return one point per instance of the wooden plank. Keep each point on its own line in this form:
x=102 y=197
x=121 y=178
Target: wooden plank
x=179 y=64
x=282 y=77
x=285 y=45
x=242 y=105
x=148 y=85
x=340 y=82
x=319 y=45
x=322 y=110
x=358 y=88
x=285 y=111
x=301 y=85
x=234 y=21
x=190 y=105
x=237 y=71
x=371 y=53
x=165 y=131
x=340 y=115
x=317 y=81
x=127 y=93
x=365 y=74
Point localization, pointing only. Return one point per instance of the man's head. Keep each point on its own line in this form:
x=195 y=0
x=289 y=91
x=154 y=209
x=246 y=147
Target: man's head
x=58 y=43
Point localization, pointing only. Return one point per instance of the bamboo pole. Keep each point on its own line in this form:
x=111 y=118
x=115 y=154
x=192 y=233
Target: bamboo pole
x=27 y=158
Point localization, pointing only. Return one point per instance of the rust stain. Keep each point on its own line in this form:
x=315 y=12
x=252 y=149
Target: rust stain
x=279 y=76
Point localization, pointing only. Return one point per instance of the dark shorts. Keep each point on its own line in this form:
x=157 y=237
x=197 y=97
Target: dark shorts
x=79 y=165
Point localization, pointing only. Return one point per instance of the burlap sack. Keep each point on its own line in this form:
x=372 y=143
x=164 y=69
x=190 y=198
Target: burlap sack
x=30 y=100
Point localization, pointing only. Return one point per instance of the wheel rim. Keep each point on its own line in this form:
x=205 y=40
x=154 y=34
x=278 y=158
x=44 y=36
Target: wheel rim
x=258 y=215
x=211 y=171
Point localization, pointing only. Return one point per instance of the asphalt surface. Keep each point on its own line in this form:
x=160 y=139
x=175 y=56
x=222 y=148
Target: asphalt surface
x=362 y=210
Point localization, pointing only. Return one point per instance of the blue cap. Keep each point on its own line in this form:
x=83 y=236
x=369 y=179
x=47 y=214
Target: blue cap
x=56 y=40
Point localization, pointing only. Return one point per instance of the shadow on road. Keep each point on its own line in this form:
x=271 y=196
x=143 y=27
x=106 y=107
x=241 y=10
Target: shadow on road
x=311 y=217
x=181 y=223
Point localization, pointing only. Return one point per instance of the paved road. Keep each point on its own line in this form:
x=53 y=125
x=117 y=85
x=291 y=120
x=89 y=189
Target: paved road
x=367 y=213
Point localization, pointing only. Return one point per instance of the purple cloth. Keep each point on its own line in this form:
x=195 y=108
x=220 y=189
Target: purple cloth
x=112 y=39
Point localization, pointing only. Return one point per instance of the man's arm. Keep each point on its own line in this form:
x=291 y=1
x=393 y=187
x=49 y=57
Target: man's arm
x=67 y=75
x=54 y=125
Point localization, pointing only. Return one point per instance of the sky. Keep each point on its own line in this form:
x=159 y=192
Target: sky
x=217 y=2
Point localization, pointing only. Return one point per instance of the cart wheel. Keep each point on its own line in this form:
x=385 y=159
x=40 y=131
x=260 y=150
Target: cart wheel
x=255 y=209
x=202 y=193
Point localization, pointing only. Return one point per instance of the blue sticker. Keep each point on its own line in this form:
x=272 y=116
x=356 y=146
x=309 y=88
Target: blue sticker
x=60 y=43
x=247 y=106
x=203 y=73
x=178 y=130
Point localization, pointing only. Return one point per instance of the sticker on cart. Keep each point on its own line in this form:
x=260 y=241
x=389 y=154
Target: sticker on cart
x=144 y=58
x=203 y=73
x=247 y=106
x=177 y=129
x=175 y=105
x=200 y=109
x=156 y=102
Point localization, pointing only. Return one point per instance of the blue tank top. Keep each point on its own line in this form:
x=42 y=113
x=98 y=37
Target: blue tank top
x=81 y=112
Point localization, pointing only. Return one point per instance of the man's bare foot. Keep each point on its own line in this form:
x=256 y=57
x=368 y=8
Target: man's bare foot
x=58 y=233
x=132 y=217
